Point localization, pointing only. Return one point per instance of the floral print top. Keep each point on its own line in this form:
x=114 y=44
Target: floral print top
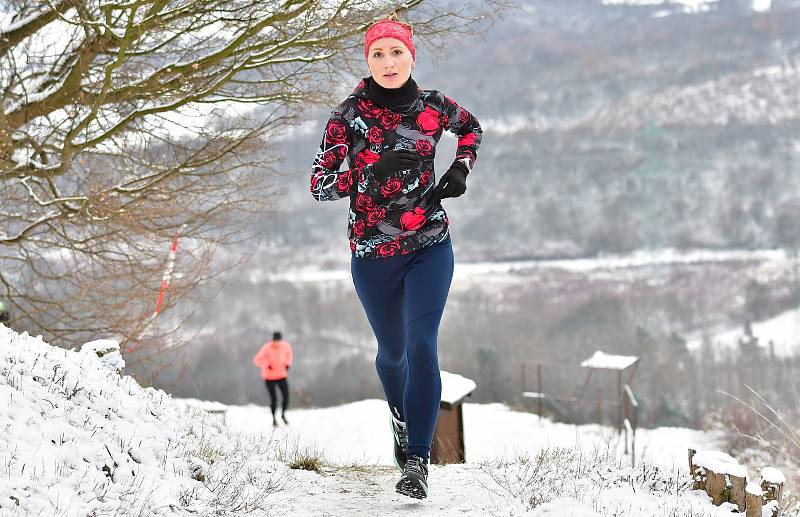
x=395 y=216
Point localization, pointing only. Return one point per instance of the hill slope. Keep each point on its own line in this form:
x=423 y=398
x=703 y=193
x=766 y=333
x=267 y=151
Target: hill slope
x=78 y=439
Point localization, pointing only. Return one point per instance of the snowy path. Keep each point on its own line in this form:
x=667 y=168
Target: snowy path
x=359 y=479
x=456 y=490
x=466 y=490
x=358 y=433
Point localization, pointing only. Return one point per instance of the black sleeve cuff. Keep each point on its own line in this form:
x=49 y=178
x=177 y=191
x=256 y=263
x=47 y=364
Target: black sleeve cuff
x=462 y=166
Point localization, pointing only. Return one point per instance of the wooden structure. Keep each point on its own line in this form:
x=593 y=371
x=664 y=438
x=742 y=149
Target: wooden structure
x=725 y=481
x=619 y=364
x=448 y=438
x=627 y=405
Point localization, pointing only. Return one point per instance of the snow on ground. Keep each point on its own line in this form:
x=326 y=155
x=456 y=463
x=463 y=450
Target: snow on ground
x=689 y=6
x=686 y=5
x=359 y=433
x=597 y=489
x=466 y=270
x=783 y=331
x=80 y=440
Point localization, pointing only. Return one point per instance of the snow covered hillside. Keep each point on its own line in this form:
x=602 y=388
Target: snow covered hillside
x=78 y=439
x=780 y=335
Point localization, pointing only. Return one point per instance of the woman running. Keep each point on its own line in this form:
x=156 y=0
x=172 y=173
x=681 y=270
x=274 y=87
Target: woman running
x=402 y=258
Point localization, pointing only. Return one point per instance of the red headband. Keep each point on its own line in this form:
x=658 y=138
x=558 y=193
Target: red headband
x=389 y=29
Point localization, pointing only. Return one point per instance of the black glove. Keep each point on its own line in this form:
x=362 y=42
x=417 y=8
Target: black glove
x=394 y=161
x=453 y=182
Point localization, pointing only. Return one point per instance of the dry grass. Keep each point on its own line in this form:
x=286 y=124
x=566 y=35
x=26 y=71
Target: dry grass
x=532 y=481
x=775 y=436
x=307 y=462
x=302 y=458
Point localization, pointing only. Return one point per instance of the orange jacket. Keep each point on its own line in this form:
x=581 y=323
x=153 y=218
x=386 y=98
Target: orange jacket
x=274 y=359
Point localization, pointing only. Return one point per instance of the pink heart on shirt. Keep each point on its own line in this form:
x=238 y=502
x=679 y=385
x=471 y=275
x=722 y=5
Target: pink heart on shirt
x=413 y=220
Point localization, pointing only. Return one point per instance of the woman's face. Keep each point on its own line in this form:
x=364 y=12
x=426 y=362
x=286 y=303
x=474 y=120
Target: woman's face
x=389 y=62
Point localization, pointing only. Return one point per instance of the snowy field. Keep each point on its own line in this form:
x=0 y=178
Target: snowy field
x=782 y=332
x=689 y=5
x=359 y=433
x=79 y=440
x=510 y=269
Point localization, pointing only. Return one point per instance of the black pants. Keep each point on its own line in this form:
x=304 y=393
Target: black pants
x=283 y=385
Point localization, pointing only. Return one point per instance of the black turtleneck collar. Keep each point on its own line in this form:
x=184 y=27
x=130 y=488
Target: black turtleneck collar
x=392 y=98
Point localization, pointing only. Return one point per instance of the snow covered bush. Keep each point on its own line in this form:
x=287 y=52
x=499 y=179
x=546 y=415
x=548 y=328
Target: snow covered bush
x=561 y=481
x=79 y=439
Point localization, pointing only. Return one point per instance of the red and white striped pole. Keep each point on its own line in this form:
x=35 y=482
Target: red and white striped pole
x=165 y=279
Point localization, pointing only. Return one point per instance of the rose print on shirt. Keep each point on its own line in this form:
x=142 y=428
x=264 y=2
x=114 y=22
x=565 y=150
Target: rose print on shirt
x=425 y=178
x=391 y=187
x=463 y=116
x=424 y=148
x=467 y=139
x=369 y=108
x=376 y=216
x=358 y=228
x=428 y=121
x=345 y=181
x=366 y=157
x=375 y=135
x=329 y=159
x=389 y=120
x=336 y=133
x=364 y=203
x=387 y=249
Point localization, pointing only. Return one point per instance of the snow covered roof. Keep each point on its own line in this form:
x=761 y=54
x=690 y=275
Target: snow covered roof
x=455 y=388
x=609 y=362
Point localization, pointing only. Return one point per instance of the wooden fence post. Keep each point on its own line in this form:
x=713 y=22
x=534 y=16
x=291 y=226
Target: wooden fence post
x=540 y=388
x=697 y=483
x=712 y=470
x=772 y=481
x=738 y=484
x=715 y=487
x=753 y=500
x=725 y=480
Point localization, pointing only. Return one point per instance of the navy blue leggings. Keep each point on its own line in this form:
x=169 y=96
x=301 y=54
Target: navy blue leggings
x=404 y=298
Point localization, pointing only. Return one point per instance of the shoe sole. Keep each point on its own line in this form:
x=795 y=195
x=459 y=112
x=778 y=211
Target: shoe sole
x=411 y=489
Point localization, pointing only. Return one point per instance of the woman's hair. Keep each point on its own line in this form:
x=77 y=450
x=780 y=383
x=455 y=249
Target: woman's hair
x=393 y=16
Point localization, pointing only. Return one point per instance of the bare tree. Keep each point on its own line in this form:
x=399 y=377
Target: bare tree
x=123 y=124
